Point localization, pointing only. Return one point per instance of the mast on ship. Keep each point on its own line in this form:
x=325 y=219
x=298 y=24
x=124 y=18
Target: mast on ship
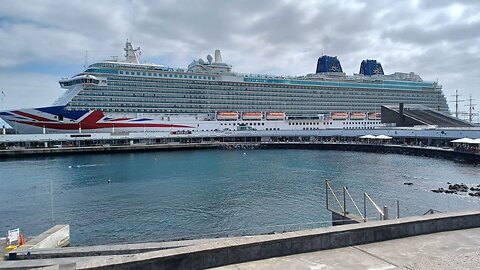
x=471 y=113
x=131 y=54
x=457 y=101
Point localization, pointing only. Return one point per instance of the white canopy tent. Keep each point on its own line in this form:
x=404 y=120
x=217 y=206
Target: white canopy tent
x=463 y=140
x=367 y=137
x=383 y=137
x=474 y=141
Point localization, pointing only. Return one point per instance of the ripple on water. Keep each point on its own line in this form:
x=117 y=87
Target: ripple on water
x=164 y=195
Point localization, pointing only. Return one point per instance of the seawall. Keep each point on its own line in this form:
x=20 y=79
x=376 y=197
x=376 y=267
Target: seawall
x=268 y=246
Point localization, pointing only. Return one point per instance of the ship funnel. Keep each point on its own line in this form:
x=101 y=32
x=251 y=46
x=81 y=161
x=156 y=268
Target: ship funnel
x=371 y=67
x=218 y=57
x=328 y=64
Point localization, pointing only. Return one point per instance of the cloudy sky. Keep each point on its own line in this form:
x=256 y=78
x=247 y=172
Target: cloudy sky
x=43 y=41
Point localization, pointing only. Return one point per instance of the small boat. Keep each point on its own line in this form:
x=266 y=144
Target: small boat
x=252 y=116
x=374 y=116
x=227 y=116
x=276 y=116
x=358 y=116
x=339 y=115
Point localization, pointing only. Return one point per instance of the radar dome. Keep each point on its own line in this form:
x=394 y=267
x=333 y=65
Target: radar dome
x=201 y=61
x=209 y=58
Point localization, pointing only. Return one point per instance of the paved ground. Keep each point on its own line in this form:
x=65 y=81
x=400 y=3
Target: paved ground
x=447 y=250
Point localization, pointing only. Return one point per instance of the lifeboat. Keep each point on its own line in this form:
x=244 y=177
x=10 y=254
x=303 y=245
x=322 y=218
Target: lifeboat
x=374 y=116
x=227 y=116
x=339 y=116
x=252 y=116
x=358 y=116
x=276 y=116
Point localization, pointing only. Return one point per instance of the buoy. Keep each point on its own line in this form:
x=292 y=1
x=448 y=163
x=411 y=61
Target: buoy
x=244 y=153
x=109 y=181
x=70 y=166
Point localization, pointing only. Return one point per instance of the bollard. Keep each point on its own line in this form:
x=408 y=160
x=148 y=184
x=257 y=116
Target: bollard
x=385 y=212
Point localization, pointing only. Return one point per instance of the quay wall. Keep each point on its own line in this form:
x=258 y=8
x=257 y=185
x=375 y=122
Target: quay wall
x=434 y=152
x=103 y=149
x=267 y=246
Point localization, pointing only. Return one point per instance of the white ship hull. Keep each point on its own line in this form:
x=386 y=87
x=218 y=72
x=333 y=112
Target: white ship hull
x=58 y=120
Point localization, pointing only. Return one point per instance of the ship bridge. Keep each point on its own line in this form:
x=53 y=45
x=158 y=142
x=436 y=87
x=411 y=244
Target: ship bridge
x=80 y=79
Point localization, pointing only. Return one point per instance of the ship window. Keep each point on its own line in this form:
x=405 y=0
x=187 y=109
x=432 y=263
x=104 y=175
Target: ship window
x=121 y=72
x=149 y=74
x=169 y=75
x=190 y=76
x=144 y=74
x=127 y=73
x=175 y=76
x=138 y=73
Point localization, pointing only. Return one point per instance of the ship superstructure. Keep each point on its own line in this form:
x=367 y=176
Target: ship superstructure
x=208 y=88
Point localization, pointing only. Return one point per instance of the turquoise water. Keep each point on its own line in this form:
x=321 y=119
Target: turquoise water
x=183 y=194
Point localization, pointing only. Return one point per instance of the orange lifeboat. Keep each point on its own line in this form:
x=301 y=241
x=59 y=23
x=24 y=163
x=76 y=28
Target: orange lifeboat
x=358 y=116
x=374 y=116
x=227 y=116
x=276 y=116
x=339 y=116
x=252 y=116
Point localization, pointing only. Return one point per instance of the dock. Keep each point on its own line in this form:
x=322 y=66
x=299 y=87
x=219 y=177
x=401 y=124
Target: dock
x=411 y=141
x=385 y=244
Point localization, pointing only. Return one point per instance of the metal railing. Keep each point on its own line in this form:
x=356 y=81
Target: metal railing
x=366 y=198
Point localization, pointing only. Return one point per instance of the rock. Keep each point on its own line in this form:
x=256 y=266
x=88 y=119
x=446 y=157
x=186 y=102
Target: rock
x=450 y=191
x=438 y=190
x=458 y=187
x=474 y=189
x=408 y=183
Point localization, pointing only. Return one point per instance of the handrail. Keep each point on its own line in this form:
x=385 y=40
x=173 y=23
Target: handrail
x=327 y=185
x=354 y=204
x=366 y=196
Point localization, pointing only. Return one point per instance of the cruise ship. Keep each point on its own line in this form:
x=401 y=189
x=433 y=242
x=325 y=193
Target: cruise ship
x=128 y=96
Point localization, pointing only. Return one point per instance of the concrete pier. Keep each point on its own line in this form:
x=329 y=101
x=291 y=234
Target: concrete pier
x=57 y=236
x=246 y=249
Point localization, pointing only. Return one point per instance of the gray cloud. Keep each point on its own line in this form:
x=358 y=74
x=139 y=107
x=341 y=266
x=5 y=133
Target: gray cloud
x=436 y=39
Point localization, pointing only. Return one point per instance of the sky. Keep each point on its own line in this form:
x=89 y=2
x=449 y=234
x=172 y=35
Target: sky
x=43 y=41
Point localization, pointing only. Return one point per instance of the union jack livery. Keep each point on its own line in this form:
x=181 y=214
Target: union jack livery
x=58 y=120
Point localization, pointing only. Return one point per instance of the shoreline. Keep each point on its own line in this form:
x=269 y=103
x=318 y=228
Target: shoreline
x=425 y=151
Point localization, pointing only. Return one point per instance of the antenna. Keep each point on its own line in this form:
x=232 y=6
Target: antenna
x=85 y=65
x=2 y=98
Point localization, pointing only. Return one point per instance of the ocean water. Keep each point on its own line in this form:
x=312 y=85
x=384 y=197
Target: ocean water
x=158 y=196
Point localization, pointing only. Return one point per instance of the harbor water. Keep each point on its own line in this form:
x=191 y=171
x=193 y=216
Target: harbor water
x=157 y=196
